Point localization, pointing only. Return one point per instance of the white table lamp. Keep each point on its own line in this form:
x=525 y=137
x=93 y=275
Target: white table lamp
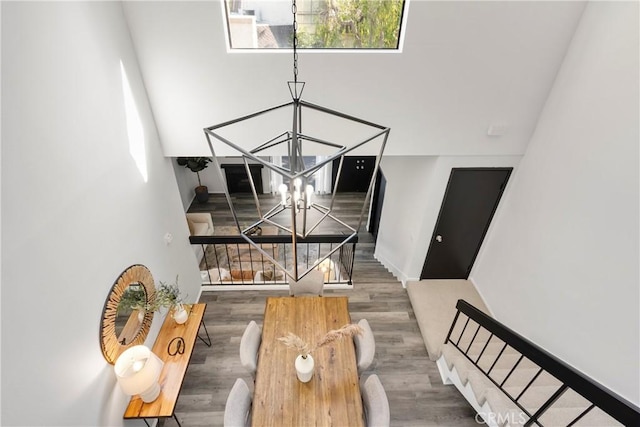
x=138 y=370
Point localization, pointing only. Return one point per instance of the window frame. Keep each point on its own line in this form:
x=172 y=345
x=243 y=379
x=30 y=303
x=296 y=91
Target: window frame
x=289 y=50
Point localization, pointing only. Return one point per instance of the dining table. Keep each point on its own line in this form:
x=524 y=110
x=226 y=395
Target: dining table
x=332 y=396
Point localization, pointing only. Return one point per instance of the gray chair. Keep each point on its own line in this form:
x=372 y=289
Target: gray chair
x=311 y=284
x=249 y=346
x=365 y=347
x=237 y=410
x=375 y=402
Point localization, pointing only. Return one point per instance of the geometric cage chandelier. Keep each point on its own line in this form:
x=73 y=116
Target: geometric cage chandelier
x=297 y=203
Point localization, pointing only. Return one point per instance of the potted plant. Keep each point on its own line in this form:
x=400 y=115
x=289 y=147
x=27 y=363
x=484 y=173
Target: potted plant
x=304 y=363
x=197 y=164
x=169 y=296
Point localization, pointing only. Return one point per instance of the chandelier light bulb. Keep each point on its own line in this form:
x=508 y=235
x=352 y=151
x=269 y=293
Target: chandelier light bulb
x=309 y=191
x=283 y=194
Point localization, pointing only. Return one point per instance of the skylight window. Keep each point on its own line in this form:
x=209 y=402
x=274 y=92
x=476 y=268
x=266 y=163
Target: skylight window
x=322 y=24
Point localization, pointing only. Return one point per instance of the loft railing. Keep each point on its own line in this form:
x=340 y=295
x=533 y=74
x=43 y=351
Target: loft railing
x=471 y=323
x=230 y=260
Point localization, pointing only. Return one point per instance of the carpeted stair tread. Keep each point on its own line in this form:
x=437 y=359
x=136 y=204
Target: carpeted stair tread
x=564 y=410
x=563 y=416
x=434 y=303
x=521 y=377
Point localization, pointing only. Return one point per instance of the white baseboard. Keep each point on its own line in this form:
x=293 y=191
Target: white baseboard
x=399 y=274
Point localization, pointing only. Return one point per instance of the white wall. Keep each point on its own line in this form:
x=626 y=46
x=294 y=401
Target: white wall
x=464 y=66
x=415 y=190
x=561 y=264
x=187 y=182
x=75 y=209
x=408 y=182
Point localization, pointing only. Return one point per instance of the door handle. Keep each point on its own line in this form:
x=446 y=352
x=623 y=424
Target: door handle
x=439 y=238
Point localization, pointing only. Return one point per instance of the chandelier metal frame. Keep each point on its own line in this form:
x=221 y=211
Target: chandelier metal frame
x=294 y=140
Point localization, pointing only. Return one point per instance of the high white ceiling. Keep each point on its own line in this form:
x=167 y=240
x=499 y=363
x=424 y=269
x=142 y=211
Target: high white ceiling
x=464 y=67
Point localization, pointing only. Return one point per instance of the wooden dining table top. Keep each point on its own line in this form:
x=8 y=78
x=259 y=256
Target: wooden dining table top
x=332 y=396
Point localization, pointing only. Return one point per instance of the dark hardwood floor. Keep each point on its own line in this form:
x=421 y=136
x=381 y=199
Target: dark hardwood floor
x=416 y=394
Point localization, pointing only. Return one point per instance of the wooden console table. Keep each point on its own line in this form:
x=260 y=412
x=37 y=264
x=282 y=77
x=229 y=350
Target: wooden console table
x=175 y=366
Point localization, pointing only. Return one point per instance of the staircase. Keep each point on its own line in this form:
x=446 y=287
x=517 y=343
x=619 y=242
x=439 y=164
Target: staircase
x=512 y=382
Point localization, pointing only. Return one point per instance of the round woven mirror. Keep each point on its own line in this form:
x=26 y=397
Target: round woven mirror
x=124 y=321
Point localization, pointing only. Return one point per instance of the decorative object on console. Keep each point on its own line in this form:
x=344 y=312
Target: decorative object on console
x=138 y=370
x=169 y=296
x=120 y=325
x=177 y=348
x=297 y=214
x=180 y=314
x=304 y=362
x=197 y=164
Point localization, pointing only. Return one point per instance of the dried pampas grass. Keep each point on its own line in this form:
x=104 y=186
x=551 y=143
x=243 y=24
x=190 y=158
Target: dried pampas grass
x=347 y=331
x=294 y=341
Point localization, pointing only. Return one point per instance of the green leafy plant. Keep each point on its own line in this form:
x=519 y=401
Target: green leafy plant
x=168 y=295
x=354 y=24
x=195 y=164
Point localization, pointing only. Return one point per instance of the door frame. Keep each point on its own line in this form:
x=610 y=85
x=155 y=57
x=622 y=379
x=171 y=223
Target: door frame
x=377 y=199
x=508 y=169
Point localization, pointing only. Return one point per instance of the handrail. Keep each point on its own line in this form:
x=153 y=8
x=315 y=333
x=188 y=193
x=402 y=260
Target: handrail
x=235 y=238
x=613 y=404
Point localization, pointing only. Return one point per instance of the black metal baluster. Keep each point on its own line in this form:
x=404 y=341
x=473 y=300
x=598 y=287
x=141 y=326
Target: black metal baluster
x=524 y=390
x=495 y=361
x=511 y=371
x=453 y=324
x=483 y=348
x=585 y=412
x=473 y=338
x=546 y=405
x=462 y=333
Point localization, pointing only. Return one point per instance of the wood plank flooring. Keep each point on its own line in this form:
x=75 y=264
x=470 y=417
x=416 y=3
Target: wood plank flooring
x=416 y=394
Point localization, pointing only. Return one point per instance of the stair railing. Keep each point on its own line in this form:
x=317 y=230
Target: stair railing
x=340 y=261
x=616 y=406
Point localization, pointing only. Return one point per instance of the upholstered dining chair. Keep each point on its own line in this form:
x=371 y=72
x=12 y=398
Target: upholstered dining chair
x=365 y=347
x=311 y=284
x=249 y=346
x=237 y=410
x=375 y=402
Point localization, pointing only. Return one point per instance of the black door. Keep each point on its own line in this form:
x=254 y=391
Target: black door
x=470 y=201
x=376 y=204
x=356 y=173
